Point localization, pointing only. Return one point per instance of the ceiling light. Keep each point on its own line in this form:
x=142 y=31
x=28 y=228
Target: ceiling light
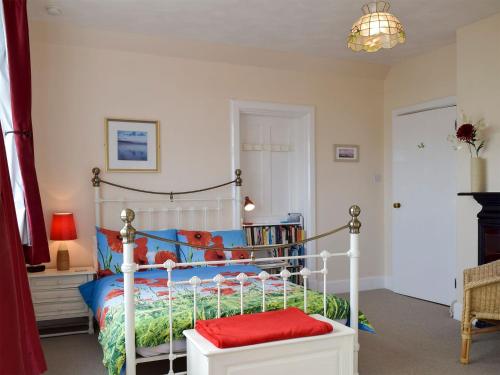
x=376 y=29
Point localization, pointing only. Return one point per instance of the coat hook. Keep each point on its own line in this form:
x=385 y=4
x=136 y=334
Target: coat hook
x=421 y=145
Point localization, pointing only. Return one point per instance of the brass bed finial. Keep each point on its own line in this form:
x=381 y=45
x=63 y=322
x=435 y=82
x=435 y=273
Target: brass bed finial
x=354 y=223
x=96 y=180
x=238 y=179
x=128 y=231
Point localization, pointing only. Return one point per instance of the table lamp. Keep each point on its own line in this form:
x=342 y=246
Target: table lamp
x=63 y=229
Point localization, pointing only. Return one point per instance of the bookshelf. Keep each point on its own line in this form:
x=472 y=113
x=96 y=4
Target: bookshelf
x=278 y=233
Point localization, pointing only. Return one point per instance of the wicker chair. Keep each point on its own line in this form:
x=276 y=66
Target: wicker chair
x=481 y=301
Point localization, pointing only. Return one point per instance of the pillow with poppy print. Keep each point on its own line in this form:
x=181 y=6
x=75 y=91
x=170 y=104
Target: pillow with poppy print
x=217 y=239
x=189 y=254
x=233 y=239
x=146 y=250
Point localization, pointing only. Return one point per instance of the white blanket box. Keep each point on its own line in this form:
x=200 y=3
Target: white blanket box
x=330 y=354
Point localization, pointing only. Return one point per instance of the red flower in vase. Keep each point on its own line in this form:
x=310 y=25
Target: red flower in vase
x=466 y=133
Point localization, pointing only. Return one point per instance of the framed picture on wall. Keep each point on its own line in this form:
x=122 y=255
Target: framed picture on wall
x=132 y=145
x=346 y=152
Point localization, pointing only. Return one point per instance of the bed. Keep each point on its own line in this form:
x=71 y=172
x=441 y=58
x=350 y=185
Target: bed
x=167 y=297
x=105 y=298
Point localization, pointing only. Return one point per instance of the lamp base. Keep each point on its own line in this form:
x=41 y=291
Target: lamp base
x=62 y=260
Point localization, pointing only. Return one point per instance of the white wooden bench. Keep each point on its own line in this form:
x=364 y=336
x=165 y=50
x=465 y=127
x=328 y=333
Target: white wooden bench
x=329 y=354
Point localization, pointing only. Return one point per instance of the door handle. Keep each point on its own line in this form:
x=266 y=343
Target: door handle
x=396 y=205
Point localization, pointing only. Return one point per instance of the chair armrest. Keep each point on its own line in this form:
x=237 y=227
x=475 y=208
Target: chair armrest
x=482 y=272
x=481 y=283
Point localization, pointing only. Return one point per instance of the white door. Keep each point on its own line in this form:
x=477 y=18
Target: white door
x=424 y=184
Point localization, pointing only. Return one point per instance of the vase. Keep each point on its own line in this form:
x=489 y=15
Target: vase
x=477 y=174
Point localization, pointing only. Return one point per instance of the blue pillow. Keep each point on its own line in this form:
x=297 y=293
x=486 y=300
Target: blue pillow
x=233 y=239
x=226 y=238
x=146 y=251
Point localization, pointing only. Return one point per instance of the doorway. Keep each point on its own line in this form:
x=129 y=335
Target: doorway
x=273 y=144
x=424 y=198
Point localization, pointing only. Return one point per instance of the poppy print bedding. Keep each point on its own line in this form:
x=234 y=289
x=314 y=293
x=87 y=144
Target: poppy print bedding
x=105 y=297
x=146 y=251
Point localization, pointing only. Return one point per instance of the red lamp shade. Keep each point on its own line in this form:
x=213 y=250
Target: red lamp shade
x=63 y=227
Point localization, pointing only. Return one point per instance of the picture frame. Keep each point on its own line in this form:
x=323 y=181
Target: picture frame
x=132 y=145
x=348 y=153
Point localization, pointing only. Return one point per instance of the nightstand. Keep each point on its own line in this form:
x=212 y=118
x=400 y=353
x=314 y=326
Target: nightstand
x=56 y=298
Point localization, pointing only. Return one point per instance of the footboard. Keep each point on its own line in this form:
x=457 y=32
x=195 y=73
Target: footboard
x=128 y=234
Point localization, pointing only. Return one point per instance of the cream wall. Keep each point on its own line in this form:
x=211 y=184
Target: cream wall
x=82 y=76
x=468 y=70
x=414 y=81
x=478 y=95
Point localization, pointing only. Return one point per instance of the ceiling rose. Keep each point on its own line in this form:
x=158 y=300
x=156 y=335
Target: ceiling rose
x=376 y=29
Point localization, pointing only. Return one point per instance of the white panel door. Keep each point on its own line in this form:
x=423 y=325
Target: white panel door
x=424 y=183
x=269 y=154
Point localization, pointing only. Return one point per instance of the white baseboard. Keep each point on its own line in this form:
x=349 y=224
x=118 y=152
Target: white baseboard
x=457 y=306
x=457 y=311
x=388 y=283
x=342 y=286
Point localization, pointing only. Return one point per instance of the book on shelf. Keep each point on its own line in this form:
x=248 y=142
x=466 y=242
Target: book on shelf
x=282 y=233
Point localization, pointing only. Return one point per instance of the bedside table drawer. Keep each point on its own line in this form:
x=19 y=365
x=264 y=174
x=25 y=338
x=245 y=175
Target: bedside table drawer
x=61 y=295
x=57 y=301
x=59 y=310
x=44 y=283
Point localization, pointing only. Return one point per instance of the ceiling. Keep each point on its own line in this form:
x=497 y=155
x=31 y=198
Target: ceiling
x=311 y=27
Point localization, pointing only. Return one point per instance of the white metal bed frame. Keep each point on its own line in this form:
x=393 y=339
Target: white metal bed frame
x=129 y=268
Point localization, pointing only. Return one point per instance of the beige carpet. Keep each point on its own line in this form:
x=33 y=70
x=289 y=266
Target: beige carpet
x=413 y=337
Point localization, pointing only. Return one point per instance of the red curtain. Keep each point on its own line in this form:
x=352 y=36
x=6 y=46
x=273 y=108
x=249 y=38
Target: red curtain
x=20 y=348
x=16 y=30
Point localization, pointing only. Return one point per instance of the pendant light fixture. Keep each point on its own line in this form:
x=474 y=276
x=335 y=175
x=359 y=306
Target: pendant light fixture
x=376 y=29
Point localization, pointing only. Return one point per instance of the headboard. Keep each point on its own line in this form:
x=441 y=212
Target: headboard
x=213 y=208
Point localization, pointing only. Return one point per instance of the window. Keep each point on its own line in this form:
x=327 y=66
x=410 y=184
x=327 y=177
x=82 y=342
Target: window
x=9 y=136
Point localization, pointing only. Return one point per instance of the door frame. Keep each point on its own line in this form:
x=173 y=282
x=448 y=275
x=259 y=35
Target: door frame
x=240 y=107
x=446 y=102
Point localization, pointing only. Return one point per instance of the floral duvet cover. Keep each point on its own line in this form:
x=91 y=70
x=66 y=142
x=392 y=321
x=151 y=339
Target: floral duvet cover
x=105 y=298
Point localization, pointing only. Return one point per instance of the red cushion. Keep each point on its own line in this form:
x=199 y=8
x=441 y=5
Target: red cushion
x=241 y=330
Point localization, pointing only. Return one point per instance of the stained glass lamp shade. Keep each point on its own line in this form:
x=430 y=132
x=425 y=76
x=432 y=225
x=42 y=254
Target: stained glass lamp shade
x=376 y=29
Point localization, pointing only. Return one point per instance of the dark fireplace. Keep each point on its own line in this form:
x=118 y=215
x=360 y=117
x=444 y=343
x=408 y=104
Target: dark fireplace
x=488 y=226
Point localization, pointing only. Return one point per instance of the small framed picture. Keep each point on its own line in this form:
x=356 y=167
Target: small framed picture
x=346 y=152
x=132 y=145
